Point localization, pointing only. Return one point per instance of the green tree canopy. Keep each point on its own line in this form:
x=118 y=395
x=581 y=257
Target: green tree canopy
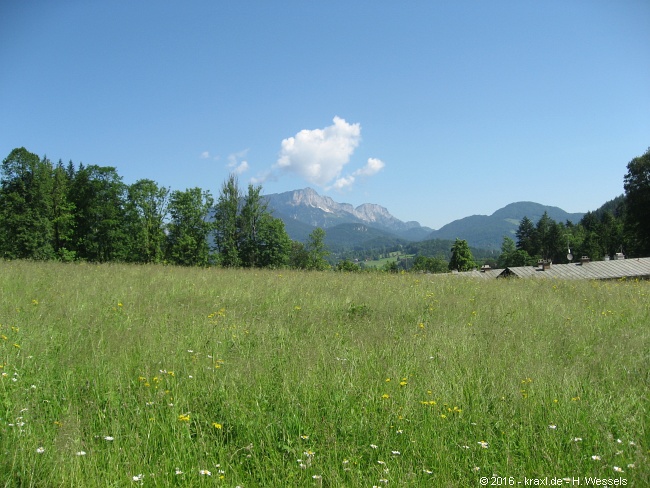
x=189 y=228
x=637 y=204
x=226 y=216
x=26 y=206
x=148 y=211
x=317 y=252
x=461 y=257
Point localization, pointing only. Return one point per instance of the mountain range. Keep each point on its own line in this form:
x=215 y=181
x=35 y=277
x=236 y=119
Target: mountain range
x=369 y=224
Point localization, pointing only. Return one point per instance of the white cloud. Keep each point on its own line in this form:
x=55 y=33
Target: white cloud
x=236 y=163
x=372 y=167
x=319 y=155
x=343 y=182
x=205 y=155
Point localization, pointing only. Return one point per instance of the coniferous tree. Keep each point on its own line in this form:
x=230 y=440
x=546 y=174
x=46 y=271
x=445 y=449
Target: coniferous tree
x=461 y=257
x=637 y=204
x=26 y=206
x=226 y=214
x=526 y=236
x=250 y=219
x=62 y=214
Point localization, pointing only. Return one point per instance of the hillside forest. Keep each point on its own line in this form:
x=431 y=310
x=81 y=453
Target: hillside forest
x=74 y=212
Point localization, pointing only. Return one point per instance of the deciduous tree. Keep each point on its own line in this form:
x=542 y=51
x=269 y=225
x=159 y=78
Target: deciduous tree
x=189 y=227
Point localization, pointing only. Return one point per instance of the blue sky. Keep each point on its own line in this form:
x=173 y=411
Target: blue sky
x=435 y=110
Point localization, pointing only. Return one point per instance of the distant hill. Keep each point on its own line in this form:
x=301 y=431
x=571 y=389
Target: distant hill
x=487 y=231
x=359 y=237
x=308 y=207
x=371 y=225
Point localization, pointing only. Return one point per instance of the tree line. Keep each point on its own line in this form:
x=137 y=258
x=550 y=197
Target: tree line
x=65 y=212
x=621 y=225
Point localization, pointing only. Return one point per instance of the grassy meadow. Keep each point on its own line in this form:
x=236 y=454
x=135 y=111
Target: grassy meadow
x=116 y=375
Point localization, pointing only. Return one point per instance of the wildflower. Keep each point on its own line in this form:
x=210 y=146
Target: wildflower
x=476 y=468
x=374 y=446
x=618 y=470
x=465 y=447
x=385 y=395
x=552 y=426
x=81 y=453
x=216 y=425
x=178 y=471
x=402 y=383
x=138 y=477
x=205 y=472
x=577 y=439
x=304 y=437
x=184 y=417
x=483 y=444
x=381 y=462
x=387 y=380
x=631 y=466
x=427 y=471
x=619 y=441
x=399 y=431
x=40 y=450
x=395 y=453
x=595 y=457
x=317 y=477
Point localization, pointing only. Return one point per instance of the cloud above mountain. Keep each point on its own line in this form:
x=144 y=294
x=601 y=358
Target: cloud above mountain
x=372 y=167
x=319 y=156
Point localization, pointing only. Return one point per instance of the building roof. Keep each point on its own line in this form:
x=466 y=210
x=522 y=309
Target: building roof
x=593 y=270
x=484 y=275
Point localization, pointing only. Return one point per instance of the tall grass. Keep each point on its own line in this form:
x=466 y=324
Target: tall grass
x=125 y=375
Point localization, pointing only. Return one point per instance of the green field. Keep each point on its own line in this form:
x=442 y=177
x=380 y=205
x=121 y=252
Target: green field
x=392 y=258
x=116 y=375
